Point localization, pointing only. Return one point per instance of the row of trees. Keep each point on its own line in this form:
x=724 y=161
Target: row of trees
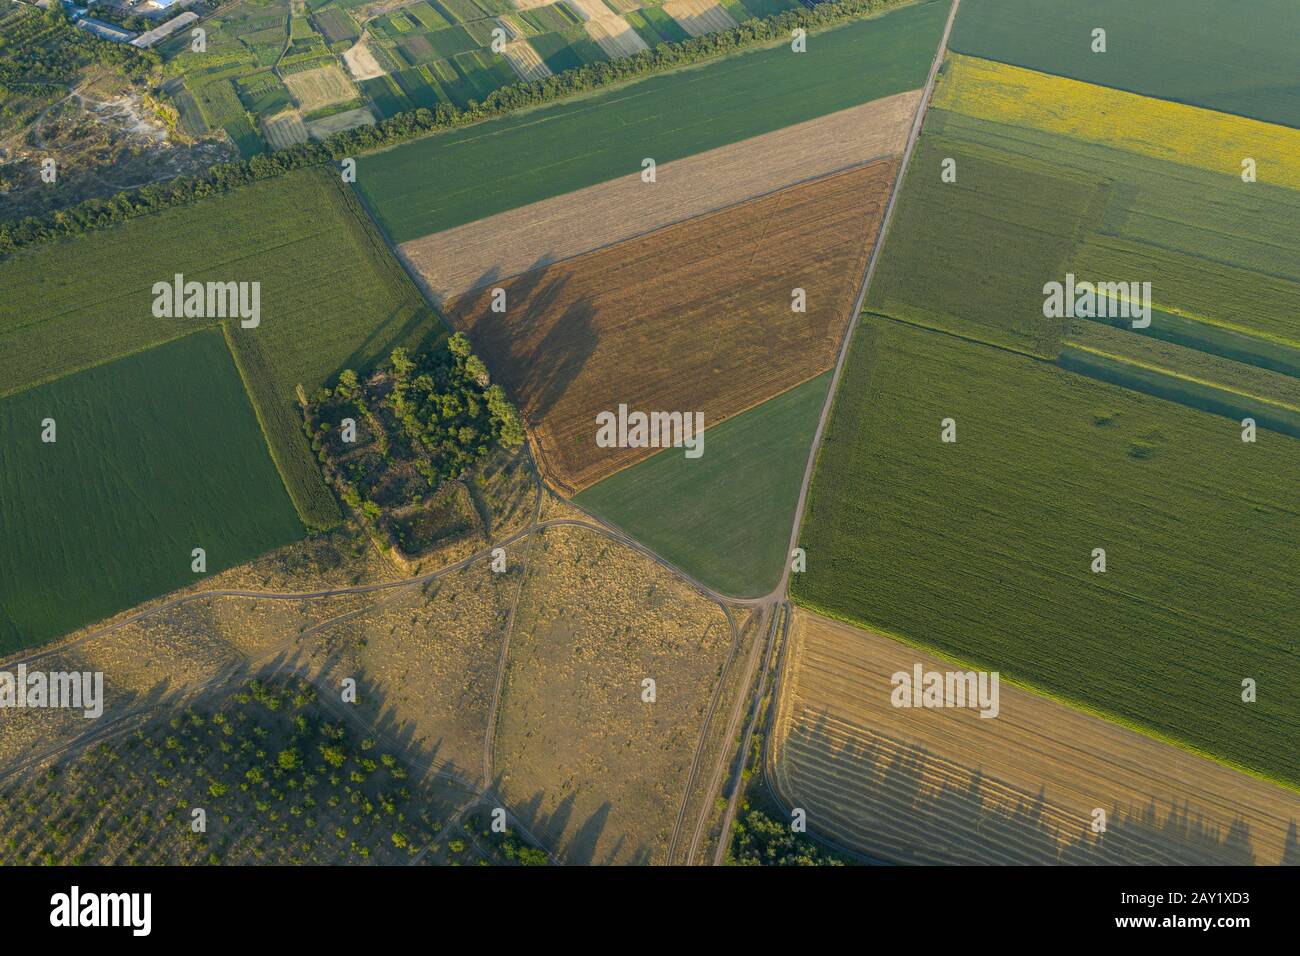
x=97 y=213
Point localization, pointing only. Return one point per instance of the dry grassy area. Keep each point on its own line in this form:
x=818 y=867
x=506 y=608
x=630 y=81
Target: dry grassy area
x=426 y=660
x=456 y=261
x=694 y=317
x=592 y=770
x=947 y=786
x=325 y=86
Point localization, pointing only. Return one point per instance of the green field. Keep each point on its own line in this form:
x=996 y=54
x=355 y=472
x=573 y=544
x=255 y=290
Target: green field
x=1234 y=57
x=156 y=454
x=332 y=297
x=725 y=517
x=972 y=256
x=452 y=178
x=981 y=549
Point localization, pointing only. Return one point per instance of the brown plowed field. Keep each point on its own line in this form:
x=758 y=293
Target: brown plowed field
x=458 y=260
x=947 y=786
x=694 y=317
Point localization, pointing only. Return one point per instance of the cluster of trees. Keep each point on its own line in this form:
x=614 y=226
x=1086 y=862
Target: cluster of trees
x=437 y=411
x=448 y=409
x=758 y=840
x=42 y=51
x=508 y=846
x=278 y=780
x=97 y=213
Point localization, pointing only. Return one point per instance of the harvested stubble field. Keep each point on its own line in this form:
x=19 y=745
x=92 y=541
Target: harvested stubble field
x=1252 y=48
x=331 y=297
x=593 y=771
x=327 y=126
x=523 y=59
x=614 y=35
x=284 y=129
x=698 y=17
x=695 y=317
x=314 y=89
x=982 y=548
x=948 y=786
x=489 y=250
x=448 y=179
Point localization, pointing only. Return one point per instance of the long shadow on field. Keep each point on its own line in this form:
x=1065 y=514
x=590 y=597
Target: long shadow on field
x=573 y=842
x=539 y=344
x=400 y=328
x=911 y=806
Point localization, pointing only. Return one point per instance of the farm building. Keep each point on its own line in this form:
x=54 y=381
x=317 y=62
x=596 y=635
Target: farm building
x=146 y=40
x=105 y=31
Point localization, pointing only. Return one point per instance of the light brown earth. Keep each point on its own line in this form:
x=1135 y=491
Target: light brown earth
x=593 y=771
x=694 y=317
x=698 y=17
x=458 y=260
x=313 y=89
x=284 y=129
x=361 y=62
x=425 y=659
x=947 y=786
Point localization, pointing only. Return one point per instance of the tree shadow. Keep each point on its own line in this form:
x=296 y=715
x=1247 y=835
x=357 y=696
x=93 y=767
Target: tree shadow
x=909 y=805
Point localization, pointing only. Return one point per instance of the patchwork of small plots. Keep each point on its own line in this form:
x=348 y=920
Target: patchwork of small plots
x=270 y=75
x=1161 y=427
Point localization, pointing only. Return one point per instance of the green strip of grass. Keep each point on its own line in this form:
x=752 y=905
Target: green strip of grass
x=724 y=517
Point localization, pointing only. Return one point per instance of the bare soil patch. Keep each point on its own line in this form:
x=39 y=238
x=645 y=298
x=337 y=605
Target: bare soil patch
x=694 y=317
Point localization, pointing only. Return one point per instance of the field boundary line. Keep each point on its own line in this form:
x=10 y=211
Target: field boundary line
x=726 y=207
x=782 y=588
